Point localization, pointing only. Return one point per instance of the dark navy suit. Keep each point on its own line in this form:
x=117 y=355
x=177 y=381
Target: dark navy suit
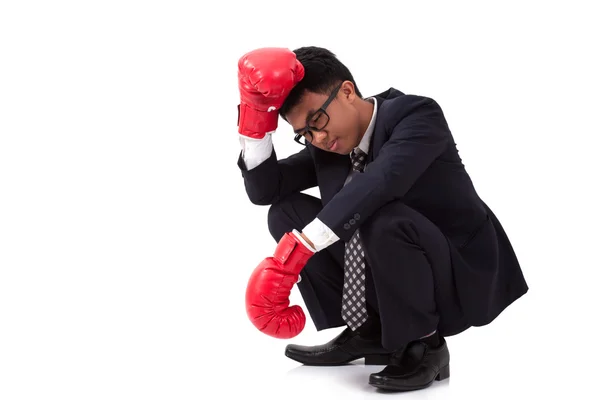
x=437 y=256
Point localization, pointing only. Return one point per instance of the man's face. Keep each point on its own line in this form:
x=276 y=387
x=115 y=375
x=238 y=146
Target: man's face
x=332 y=118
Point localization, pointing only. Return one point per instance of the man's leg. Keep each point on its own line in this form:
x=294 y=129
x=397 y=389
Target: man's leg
x=322 y=277
x=410 y=265
x=321 y=288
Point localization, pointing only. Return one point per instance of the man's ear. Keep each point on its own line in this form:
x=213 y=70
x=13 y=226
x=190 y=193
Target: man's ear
x=349 y=91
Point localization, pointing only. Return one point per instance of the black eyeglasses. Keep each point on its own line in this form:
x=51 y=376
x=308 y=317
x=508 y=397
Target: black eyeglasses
x=316 y=121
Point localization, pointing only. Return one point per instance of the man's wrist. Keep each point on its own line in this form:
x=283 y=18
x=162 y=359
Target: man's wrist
x=307 y=240
x=302 y=238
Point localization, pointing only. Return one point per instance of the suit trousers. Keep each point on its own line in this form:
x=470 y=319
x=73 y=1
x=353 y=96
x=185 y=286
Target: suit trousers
x=410 y=286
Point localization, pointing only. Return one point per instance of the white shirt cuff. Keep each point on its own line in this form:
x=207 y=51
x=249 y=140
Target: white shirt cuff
x=319 y=234
x=256 y=151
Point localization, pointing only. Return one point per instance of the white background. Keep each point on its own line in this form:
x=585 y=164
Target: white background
x=126 y=237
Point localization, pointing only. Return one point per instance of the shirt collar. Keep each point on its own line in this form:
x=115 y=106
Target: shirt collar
x=366 y=139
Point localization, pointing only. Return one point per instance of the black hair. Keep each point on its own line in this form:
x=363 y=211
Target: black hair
x=322 y=71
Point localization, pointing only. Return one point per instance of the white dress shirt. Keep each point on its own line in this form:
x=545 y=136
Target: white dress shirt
x=256 y=151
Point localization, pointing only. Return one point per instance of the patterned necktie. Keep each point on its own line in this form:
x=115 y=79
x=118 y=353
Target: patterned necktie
x=354 y=310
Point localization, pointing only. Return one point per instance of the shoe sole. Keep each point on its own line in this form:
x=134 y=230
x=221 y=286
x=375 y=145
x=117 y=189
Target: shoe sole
x=370 y=359
x=389 y=386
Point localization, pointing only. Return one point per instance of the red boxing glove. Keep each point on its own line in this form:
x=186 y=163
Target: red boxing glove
x=265 y=78
x=269 y=288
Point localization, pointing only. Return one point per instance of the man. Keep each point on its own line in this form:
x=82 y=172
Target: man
x=399 y=248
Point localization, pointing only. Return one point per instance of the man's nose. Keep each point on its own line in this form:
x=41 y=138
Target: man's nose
x=320 y=136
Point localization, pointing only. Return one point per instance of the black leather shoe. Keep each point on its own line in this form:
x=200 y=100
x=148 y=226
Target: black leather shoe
x=344 y=348
x=414 y=367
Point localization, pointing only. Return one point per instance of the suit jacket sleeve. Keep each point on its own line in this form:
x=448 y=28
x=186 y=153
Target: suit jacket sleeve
x=275 y=179
x=418 y=137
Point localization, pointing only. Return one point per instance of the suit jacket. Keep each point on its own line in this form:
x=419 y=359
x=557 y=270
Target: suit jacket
x=412 y=158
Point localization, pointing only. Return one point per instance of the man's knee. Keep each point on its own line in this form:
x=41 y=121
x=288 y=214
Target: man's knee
x=277 y=219
x=292 y=212
x=390 y=223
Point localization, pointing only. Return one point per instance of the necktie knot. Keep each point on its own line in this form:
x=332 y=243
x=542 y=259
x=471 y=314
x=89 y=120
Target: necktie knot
x=359 y=159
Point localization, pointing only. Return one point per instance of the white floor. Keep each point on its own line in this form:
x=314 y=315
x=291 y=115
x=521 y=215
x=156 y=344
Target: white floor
x=511 y=359
x=175 y=347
